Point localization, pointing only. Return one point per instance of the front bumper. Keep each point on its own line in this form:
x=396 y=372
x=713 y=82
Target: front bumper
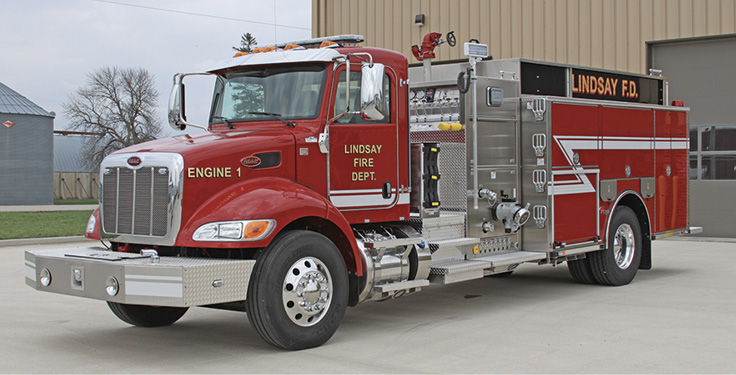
x=171 y=281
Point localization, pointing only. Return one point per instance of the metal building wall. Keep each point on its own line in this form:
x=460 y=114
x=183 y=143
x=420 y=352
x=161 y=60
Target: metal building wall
x=602 y=33
x=26 y=160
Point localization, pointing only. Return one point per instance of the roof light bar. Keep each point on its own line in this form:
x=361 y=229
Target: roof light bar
x=346 y=40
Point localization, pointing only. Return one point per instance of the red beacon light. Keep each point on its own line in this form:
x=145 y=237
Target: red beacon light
x=678 y=103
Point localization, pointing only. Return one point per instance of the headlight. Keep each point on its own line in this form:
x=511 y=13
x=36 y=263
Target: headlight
x=45 y=277
x=246 y=230
x=112 y=286
x=91 y=224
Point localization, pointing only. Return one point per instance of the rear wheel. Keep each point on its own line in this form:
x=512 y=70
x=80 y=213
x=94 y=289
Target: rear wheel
x=298 y=291
x=580 y=271
x=147 y=316
x=617 y=265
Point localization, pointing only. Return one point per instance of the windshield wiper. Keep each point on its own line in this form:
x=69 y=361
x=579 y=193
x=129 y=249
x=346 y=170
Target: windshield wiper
x=229 y=125
x=274 y=115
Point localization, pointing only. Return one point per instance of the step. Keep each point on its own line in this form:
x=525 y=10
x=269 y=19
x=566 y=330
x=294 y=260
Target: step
x=457 y=242
x=396 y=242
x=452 y=248
x=398 y=289
x=448 y=271
x=507 y=259
x=405 y=285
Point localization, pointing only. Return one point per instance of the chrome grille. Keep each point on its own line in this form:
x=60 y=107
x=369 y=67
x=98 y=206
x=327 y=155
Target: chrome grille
x=136 y=201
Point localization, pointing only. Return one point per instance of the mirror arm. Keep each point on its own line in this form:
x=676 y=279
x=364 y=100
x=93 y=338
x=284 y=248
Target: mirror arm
x=179 y=79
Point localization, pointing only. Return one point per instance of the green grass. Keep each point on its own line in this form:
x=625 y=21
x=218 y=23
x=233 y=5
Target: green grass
x=75 y=201
x=42 y=224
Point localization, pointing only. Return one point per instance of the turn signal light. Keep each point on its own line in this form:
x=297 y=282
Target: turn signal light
x=255 y=229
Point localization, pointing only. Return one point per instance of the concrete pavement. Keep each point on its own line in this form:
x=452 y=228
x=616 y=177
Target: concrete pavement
x=675 y=318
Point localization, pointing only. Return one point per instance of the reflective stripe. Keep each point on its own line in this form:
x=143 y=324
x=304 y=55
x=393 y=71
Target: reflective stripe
x=342 y=192
x=154 y=286
x=366 y=200
x=149 y=277
x=30 y=271
x=137 y=288
x=570 y=144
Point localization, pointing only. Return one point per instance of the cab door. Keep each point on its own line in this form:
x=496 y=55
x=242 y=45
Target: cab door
x=363 y=155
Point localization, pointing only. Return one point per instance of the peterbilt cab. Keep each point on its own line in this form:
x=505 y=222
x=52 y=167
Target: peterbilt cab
x=303 y=147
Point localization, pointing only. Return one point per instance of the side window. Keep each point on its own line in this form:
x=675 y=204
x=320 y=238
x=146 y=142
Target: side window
x=355 y=78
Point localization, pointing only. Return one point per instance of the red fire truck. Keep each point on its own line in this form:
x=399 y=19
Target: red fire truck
x=332 y=174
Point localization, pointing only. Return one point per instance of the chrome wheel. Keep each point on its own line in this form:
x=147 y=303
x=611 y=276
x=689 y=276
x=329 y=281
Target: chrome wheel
x=624 y=246
x=307 y=291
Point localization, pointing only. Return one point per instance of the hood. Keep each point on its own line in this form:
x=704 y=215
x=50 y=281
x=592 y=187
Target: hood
x=220 y=147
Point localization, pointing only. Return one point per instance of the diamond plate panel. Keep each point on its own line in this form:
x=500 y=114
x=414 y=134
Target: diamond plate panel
x=437 y=136
x=449 y=272
x=453 y=169
x=199 y=283
x=443 y=228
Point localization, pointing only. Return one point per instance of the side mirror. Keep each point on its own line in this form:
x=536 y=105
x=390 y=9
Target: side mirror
x=372 y=97
x=177 y=108
x=177 y=117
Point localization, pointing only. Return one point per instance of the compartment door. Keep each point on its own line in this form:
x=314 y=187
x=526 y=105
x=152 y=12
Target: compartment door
x=574 y=181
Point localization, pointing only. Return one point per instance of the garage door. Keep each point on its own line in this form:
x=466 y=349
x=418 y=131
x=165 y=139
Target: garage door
x=702 y=73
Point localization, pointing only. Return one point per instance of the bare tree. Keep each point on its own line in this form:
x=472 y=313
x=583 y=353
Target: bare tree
x=119 y=104
x=247 y=43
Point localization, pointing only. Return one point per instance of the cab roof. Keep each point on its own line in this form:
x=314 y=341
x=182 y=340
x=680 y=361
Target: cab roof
x=278 y=57
x=308 y=50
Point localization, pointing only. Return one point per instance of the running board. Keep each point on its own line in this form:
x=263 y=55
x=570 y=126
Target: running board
x=448 y=271
x=452 y=248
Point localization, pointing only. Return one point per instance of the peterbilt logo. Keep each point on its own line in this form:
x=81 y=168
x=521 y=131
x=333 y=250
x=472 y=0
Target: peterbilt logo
x=134 y=161
x=250 y=161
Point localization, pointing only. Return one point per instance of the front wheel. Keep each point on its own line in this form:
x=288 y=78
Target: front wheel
x=298 y=291
x=617 y=265
x=147 y=316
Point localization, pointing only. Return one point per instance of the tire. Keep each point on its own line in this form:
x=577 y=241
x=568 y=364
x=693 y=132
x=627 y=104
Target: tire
x=581 y=272
x=298 y=291
x=617 y=265
x=147 y=316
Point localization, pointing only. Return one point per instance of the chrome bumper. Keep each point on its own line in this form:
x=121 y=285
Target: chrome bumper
x=142 y=279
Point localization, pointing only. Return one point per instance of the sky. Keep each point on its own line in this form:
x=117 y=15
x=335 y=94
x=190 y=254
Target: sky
x=47 y=47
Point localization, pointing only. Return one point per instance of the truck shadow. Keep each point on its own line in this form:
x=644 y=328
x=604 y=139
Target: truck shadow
x=203 y=332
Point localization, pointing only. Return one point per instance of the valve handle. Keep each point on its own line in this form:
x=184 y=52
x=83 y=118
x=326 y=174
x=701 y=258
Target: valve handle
x=451 y=40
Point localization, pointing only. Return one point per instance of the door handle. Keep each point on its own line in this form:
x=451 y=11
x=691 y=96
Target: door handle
x=386 y=190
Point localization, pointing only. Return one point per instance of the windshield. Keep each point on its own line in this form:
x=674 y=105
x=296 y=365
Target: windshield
x=257 y=94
